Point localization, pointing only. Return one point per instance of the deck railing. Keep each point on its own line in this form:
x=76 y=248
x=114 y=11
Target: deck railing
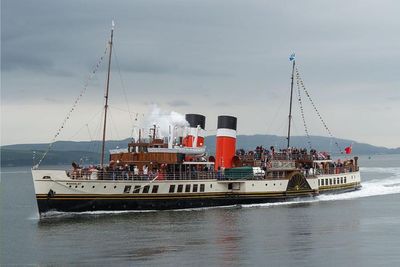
x=191 y=175
x=82 y=174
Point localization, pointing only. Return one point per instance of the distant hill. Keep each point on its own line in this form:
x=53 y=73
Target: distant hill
x=320 y=143
x=87 y=152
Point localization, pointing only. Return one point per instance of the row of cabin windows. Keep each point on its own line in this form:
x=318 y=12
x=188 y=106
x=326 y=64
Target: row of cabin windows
x=146 y=189
x=180 y=188
x=332 y=181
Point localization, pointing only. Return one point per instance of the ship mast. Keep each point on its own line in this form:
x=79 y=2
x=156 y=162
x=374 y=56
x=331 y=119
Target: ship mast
x=292 y=58
x=106 y=97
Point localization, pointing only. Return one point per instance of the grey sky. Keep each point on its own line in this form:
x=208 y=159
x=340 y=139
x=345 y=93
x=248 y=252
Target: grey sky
x=208 y=57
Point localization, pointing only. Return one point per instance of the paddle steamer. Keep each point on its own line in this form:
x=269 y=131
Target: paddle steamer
x=175 y=173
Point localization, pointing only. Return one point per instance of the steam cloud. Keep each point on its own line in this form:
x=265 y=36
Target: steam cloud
x=164 y=120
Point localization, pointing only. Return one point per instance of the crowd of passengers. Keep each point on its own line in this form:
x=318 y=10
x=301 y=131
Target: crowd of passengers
x=265 y=156
x=291 y=153
x=128 y=172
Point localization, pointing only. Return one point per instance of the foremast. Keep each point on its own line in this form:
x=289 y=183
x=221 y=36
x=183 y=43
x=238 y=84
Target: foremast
x=106 y=97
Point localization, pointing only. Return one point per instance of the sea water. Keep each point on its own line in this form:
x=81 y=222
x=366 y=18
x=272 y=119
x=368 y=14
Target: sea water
x=360 y=228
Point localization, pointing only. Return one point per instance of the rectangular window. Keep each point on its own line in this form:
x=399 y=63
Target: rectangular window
x=195 y=187
x=345 y=180
x=326 y=181
x=322 y=181
x=172 y=188
x=136 y=189
x=202 y=187
x=127 y=188
x=330 y=181
x=187 y=188
x=337 y=180
x=318 y=182
x=155 y=189
x=146 y=189
x=180 y=188
x=341 y=180
x=334 y=180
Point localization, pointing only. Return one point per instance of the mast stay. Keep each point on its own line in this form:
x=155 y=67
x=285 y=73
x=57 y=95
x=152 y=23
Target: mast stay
x=300 y=84
x=74 y=106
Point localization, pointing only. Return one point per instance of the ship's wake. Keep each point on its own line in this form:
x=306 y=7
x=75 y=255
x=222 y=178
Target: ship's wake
x=375 y=187
x=370 y=188
x=99 y=213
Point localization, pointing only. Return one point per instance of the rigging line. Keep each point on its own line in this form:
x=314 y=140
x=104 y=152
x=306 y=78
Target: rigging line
x=90 y=135
x=124 y=110
x=276 y=115
x=67 y=117
x=123 y=87
x=95 y=146
x=80 y=129
x=302 y=113
x=316 y=110
x=113 y=126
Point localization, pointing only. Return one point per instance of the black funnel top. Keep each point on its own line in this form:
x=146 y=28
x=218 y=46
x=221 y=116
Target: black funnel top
x=227 y=122
x=196 y=119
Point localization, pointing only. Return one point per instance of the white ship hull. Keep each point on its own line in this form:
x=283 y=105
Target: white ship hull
x=55 y=190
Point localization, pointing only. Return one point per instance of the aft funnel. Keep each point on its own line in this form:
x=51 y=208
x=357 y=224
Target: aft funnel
x=226 y=141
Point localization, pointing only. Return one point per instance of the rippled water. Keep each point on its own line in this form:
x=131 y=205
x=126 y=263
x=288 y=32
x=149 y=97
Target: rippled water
x=360 y=228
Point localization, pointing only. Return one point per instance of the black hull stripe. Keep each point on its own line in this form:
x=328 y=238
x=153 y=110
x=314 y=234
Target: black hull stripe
x=110 y=204
x=171 y=196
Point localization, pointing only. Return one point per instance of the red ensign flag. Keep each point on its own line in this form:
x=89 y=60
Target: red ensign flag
x=348 y=150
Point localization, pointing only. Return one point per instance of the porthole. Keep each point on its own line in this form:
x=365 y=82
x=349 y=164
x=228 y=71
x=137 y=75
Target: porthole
x=154 y=189
x=187 y=188
x=92 y=186
x=83 y=186
x=146 y=189
x=115 y=186
x=105 y=186
x=202 y=187
x=172 y=188
x=127 y=188
x=76 y=186
x=180 y=188
x=70 y=186
x=266 y=184
x=136 y=189
x=195 y=188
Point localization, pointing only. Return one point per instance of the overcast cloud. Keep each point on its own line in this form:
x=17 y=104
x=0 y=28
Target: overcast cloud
x=207 y=57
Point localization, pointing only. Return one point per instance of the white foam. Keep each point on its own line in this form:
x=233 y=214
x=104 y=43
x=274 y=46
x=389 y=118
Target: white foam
x=370 y=188
x=60 y=214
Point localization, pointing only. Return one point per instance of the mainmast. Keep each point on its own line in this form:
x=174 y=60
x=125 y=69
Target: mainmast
x=106 y=97
x=292 y=58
